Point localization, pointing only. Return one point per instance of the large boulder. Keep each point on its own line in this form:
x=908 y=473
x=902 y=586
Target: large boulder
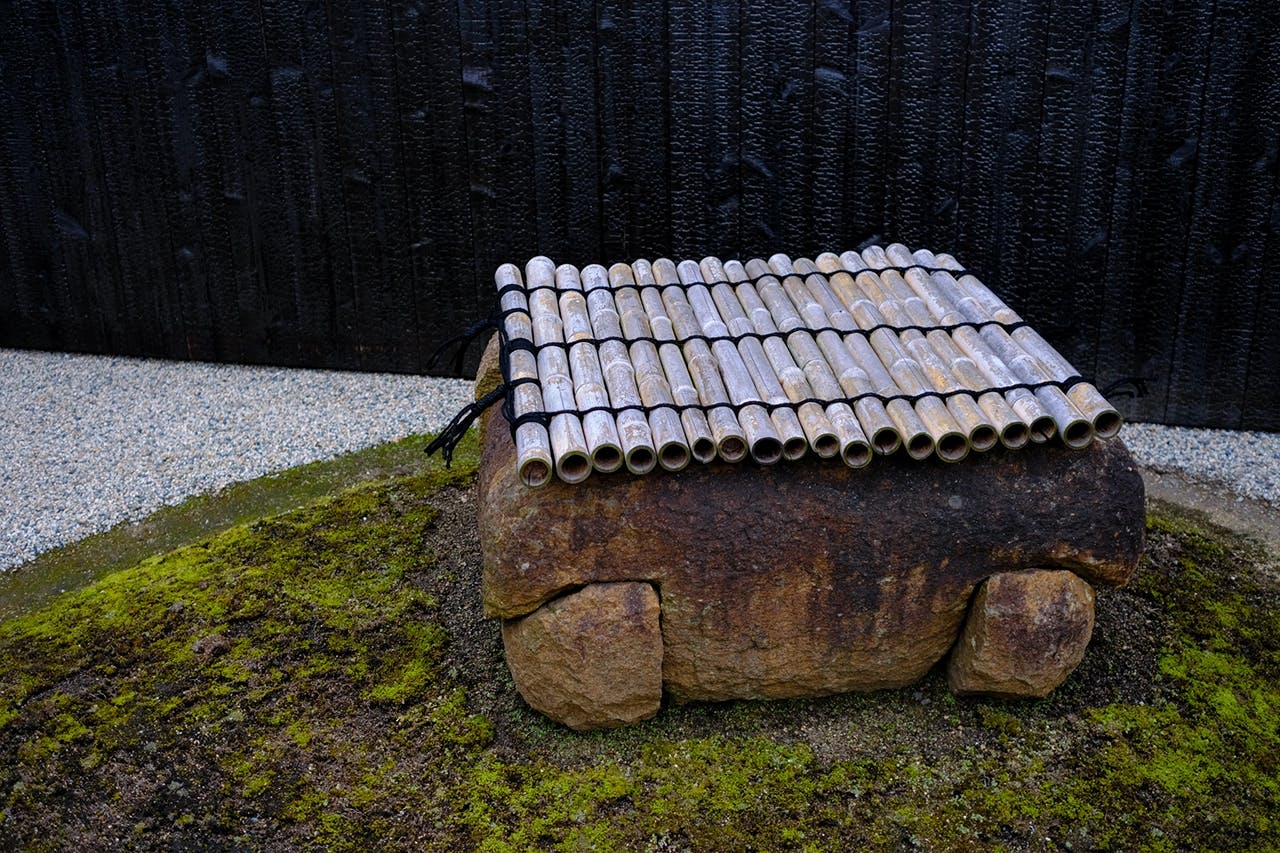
x=1025 y=634
x=805 y=578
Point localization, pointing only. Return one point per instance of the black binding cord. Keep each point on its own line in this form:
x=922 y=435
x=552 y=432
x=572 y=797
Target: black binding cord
x=447 y=441
x=1129 y=386
x=544 y=417
x=464 y=341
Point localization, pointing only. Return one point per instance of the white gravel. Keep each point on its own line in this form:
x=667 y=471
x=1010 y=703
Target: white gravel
x=87 y=442
x=1247 y=463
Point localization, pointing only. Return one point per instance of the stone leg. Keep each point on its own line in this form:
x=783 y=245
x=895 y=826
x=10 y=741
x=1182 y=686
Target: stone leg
x=1025 y=633
x=590 y=659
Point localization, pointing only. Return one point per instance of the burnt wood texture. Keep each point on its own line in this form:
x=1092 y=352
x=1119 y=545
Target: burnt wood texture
x=333 y=184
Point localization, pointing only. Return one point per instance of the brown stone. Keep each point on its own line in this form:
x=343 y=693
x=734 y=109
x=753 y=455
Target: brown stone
x=1025 y=634
x=809 y=577
x=590 y=659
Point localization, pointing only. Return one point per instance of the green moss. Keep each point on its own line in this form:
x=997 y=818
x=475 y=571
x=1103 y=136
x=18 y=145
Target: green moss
x=82 y=562
x=455 y=726
x=301 y=668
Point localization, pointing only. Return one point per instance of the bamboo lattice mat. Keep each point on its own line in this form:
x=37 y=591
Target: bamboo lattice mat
x=661 y=364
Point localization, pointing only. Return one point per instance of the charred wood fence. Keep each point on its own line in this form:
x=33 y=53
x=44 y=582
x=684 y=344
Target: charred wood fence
x=333 y=184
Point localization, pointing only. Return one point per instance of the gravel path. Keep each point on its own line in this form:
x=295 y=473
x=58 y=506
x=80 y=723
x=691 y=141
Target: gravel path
x=1248 y=463
x=90 y=441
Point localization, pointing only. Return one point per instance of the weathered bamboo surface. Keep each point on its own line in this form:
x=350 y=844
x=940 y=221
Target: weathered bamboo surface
x=847 y=355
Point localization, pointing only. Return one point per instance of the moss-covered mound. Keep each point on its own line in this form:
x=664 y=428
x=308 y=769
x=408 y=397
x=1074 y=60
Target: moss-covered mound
x=325 y=678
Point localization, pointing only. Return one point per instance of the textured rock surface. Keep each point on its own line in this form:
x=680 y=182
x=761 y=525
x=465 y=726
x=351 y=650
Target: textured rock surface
x=1025 y=634
x=590 y=659
x=810 y=577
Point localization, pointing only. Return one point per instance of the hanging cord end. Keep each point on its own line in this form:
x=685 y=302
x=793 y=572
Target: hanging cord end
x=447 y=441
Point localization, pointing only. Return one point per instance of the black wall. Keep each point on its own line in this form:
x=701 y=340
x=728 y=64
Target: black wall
x=332 y=184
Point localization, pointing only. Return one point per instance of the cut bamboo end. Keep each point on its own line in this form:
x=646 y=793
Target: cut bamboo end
x=533 y=455
x=1015 y=435
x=1107 y=424
x=886 y=441
x=573 y=466
x=919 y=445
x=952 y=446
x=856 y=454
x=607 y=458
x=534 y=471
x=767 y=450
x=704 y=449
x=674 y=455
x=1077 y=434
x=825 y=445
x=796 y=447
x=1043 y=429
x=983 y=437
x=641 y=460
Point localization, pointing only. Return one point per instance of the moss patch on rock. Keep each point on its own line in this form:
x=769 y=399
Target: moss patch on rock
x=325 y=678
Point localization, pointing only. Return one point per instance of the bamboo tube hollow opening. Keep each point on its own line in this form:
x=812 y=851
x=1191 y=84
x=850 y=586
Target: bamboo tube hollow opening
x=573 y=466
x=886 y=440
x=952 y=446
x=534 y=472
x=1107 y=424
x=826 y=445
x=674 y=455
x=640 y=460
x=919 y=445
x=857 y=455
x=983 y=437
x=1078 y=434
x=1015 y=435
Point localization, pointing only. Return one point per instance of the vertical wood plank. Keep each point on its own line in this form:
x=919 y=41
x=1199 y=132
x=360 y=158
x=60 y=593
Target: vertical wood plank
x=434 y=128
x=28 y=310
x=1229 y=221
x=865 y=179
x=703 y=98
x=777 y=96
x=633 y=80
x=506 y=208
x=835 y=123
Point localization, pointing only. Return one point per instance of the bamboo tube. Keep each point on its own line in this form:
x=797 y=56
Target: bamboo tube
x=698 y=380
x=886 y=289
x=978 y=304
x=775 y=373
x=634 y=427
x=749 y=356
x=1101 y=414
x=533 y=445
x=1013 y=430
x=788 y=301
x=719 y=373
x=676 y=434
x=815 y=379
x=568 y=443
x=938 y=298
x=906 y=376
x=600 y=428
